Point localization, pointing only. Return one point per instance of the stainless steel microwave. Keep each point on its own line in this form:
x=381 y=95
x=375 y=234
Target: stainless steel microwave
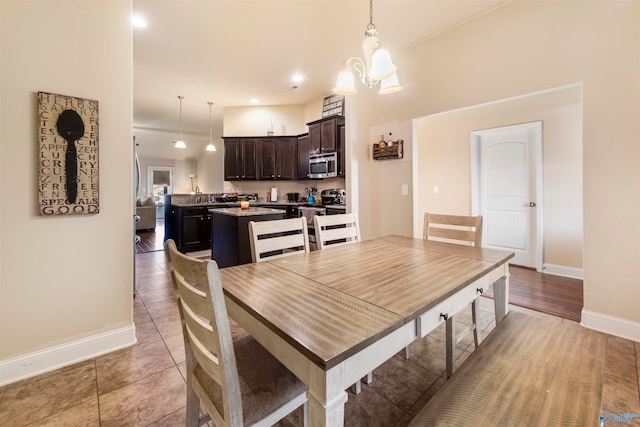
x=323 y=165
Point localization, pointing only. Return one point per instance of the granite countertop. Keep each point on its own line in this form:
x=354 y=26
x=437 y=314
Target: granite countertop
x=246 y=212
x=234 y=204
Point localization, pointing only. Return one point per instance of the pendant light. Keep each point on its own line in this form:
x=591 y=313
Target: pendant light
x=210 y=147
x=180 y=143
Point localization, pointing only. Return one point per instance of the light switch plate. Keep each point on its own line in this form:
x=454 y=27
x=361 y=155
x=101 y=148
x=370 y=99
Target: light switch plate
x=405 y=189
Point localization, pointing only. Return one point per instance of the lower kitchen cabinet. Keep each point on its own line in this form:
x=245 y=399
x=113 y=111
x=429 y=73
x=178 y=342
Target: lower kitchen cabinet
x=189 y=227
x=231 y=244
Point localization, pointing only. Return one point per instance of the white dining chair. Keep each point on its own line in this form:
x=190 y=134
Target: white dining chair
x=464 y=230
x=278 y=238
x=238 y=382
x=336 y=229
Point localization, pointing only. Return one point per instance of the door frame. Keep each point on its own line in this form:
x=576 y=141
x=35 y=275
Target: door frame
x=476 y=173
x=150 y=170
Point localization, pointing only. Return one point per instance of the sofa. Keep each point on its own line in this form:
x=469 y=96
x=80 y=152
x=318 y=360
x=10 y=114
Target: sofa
x=146 y=210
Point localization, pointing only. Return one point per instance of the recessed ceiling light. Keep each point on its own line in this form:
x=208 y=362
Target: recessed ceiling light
x=254 y=101
x=139 y=22
x=297 y=78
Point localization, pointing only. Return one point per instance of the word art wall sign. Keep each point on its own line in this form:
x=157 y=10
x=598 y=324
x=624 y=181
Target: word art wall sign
x=68 y=158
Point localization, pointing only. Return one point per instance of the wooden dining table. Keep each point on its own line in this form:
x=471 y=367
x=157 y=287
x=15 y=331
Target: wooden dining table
x=334 y=315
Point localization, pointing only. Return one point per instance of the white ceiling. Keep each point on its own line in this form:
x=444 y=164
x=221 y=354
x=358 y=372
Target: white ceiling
x=229 y=51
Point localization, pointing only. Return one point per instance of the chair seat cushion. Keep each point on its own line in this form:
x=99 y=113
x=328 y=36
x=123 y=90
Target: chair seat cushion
x=265 y=383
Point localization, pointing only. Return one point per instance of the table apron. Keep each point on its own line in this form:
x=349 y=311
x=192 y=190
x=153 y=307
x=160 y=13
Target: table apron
x=457 y=302
x=371 y=357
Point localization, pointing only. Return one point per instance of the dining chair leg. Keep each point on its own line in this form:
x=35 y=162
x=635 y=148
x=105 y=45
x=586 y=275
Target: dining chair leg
x=475 y=317
x=357 y=387
x=369 y=378
x=406 y=353
x=303 y=415
x=193 y=408
x=450 y=345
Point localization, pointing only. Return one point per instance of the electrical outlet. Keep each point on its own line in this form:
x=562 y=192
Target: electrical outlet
x=435 y=189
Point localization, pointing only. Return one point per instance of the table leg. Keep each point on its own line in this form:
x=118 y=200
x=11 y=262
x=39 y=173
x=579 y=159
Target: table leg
x=326 y=397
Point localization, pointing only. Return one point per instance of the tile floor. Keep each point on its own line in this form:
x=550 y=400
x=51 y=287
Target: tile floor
x=144 y=385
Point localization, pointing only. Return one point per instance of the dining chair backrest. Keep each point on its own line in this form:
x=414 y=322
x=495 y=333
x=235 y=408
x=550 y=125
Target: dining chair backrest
x=206 y=333
x=336 y=229
x=453 y=228
x=278 y=238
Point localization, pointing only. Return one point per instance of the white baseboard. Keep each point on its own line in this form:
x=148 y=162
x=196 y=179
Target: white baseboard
x=622 y=328
x=39 y=362
x=561 y=270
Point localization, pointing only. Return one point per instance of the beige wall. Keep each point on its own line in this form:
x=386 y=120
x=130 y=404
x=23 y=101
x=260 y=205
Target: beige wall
x=68 y=278
x=211 y=170
x=444 y=159
x=254 y=121
x=525 y=47
x=181 y=170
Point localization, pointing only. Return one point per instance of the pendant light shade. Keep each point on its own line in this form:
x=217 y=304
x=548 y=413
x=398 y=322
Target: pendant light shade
x=345 y=84
x=390 y=85
x=180 y=143
x=381 y=65
x=210 y=147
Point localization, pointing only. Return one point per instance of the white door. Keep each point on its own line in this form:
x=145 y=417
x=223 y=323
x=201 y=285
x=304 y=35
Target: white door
x=507 y=190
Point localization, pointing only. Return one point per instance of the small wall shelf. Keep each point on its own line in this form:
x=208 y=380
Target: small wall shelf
x=395 y=151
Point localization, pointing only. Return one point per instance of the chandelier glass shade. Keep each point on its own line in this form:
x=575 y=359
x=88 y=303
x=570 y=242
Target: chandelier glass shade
x=376 y=67
x=210 y=147
x=180 y=143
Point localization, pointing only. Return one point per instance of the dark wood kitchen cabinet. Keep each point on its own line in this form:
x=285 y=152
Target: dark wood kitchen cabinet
x=341 y=151
x=278 y=158
x=303 y=157
x=189 y=227
x=323 y=134
x=240 y=159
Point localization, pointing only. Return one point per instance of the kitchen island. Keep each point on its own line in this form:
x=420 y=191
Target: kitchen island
x=230 y=243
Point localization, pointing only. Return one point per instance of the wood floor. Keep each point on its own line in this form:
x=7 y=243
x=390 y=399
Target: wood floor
x=151 y=240
x=556 y=295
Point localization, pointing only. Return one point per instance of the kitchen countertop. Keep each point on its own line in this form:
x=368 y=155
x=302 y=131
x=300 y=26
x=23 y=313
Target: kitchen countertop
x=252 y=204
x=245 y=212
x=233 y=204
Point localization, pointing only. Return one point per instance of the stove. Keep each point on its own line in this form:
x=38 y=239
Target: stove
x=334 y=196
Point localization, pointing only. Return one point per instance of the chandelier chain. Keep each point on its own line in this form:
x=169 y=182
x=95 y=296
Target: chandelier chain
x=371 y=26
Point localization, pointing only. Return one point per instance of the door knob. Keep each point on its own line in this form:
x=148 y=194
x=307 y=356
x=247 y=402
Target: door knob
x=532 y=204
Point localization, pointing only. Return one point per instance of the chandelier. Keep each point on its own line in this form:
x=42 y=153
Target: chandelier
x=377 y=66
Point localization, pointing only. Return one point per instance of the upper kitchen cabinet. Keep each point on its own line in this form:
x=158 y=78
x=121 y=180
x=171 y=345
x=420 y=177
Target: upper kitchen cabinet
x=323 y=134
x=278 y=158
x=240 y=159
x=341 y=151
x=303 y=157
